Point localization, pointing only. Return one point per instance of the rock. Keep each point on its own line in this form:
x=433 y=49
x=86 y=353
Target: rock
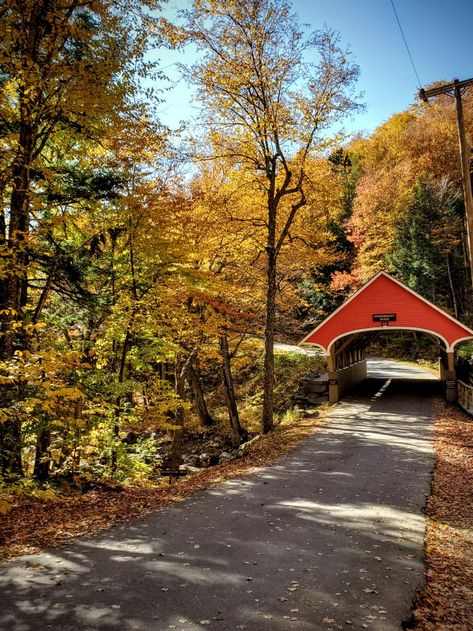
x=190 y=459
x=217 y=441
x=189 y=468
x=309 y=412
x=317 y=387
x=313 y=377
x=312 y=390
x=214 y=458
x=111 y=487
x=225 y=456
x=203 y=460
x=243 y=449
x=131 y=438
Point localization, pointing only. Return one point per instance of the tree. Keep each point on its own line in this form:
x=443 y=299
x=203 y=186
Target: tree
x=407 y=213
x=266 y=109
x=426 y=255
x=64 y=71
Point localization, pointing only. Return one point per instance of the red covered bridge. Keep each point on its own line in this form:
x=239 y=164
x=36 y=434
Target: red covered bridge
x=383 y=303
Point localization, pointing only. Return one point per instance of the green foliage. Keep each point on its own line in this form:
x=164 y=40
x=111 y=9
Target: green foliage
x=426 y=255
x=465 y=349
x=115 y=270
x=134 y=462
x=290 y=366
x=28 y=488
x=405 y=345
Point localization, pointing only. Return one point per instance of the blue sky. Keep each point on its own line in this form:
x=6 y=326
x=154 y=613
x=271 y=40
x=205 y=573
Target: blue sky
x=439 y=34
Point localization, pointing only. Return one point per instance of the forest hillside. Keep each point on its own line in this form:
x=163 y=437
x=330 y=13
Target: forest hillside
x=145 y=274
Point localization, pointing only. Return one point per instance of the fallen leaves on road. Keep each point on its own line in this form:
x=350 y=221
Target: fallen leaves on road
x=446 y=603
x=33 y=523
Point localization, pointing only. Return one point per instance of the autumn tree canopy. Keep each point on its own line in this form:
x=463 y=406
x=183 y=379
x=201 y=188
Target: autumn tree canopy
x=269 y=92
x=132 y=299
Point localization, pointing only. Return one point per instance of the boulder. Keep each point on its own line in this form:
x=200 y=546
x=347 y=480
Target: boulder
x=189 y=468
x=312 y=390
x=203 y=460
x=309 y=412
x=243 y=448
x=225 y=456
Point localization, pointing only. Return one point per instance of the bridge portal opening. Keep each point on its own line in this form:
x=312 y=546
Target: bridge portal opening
x=413 y=355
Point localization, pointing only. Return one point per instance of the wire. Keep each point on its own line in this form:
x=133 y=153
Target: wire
x=405 y=42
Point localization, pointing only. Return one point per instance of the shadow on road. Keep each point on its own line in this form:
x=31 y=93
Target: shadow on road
x=332 y=532
x=396 y=388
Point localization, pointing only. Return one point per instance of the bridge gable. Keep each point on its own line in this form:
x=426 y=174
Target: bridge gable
x=384 y=302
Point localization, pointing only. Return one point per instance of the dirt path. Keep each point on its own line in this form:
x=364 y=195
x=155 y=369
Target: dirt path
x=329 y=537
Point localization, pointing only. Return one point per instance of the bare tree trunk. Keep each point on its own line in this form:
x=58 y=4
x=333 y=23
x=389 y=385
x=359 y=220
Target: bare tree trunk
x=238 y=433
x=14 y=286
x=118 y=401
x=44 y=296
x=175 y=455
x=452 y=288
x=268 y=400
x=198 y=395
x=13 y=293
x=41 y=466
x=128 y=336
x=10 y=449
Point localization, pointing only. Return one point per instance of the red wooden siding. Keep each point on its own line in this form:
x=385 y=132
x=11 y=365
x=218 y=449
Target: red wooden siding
x=383 y=294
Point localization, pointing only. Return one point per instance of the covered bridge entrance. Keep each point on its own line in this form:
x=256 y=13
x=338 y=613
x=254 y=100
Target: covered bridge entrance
x=383 y=303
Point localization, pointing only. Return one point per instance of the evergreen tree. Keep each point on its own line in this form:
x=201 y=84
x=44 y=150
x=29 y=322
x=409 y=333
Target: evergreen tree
x=428 y=245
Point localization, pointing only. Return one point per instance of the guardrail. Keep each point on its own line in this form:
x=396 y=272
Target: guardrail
x=465 y=396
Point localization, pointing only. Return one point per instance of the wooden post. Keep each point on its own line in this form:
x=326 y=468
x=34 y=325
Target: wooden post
x=465 y=163
x=451 y=360
x=456 y=89
x=441 y=369
x=451 y=378
x=333 y=388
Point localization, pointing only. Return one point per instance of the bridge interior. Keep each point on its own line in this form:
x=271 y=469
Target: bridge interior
x=347 y=363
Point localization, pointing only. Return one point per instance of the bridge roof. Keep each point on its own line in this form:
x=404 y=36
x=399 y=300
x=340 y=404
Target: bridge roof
x=386 y=303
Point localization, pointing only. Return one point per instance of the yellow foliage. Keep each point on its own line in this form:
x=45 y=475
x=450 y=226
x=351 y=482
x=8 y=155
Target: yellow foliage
x=420 y=140
x=5 y=507
x=48 y=495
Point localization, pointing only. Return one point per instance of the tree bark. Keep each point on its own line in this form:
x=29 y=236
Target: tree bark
x=41 y=466
x=198 y=395
x=13 y=290
x=10 y=449
x=118 y=401
x=268 y=384
x=175 y=455
x=452 y=288
x=238 y=433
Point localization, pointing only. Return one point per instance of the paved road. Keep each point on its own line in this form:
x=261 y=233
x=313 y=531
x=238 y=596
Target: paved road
x=294 y=348
x=330 y=537
x=389 y=369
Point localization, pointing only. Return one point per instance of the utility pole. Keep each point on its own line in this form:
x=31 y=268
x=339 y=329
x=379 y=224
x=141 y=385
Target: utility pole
x=457 y=89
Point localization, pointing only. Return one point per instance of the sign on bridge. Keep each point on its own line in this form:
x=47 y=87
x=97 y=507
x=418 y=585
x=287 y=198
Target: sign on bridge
x=384 y=318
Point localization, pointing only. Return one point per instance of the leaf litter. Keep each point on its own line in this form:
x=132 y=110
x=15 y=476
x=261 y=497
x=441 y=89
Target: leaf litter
x=446 y=602
x=33 y=524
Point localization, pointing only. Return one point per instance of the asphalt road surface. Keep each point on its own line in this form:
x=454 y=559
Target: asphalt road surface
x=389 y=369
x=329 y=537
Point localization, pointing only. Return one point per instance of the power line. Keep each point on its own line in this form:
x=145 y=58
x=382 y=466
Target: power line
x=407 y=47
